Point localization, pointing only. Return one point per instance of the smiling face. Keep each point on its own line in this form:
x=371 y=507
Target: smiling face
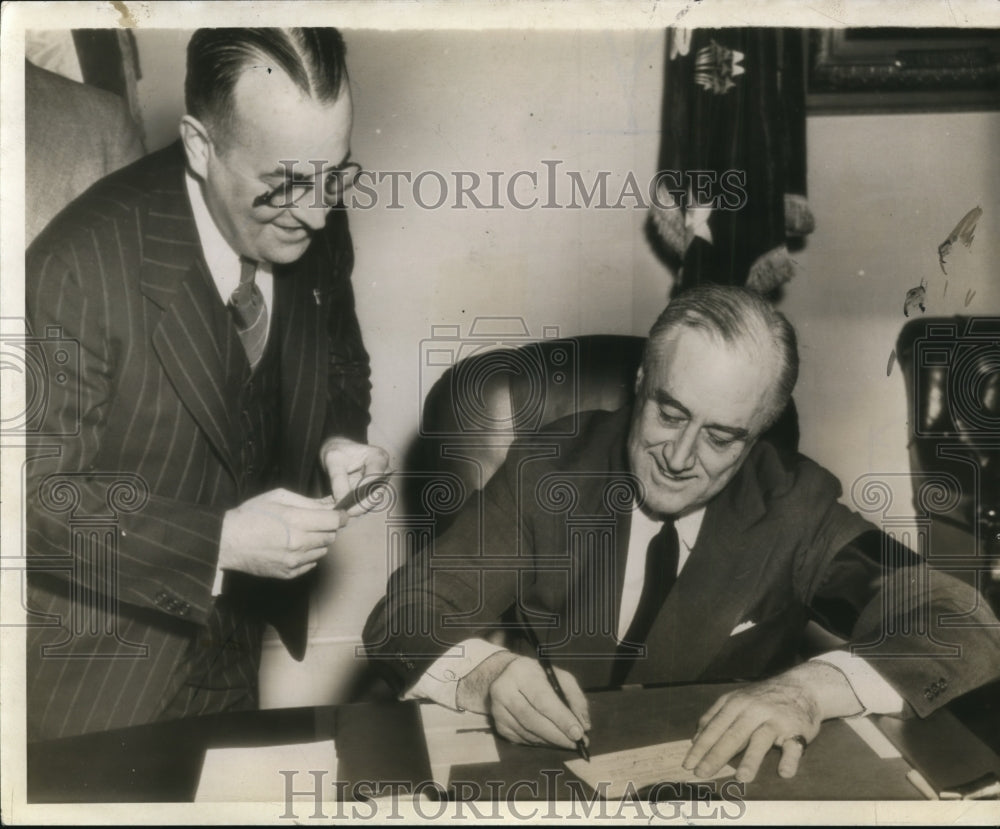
x=274 y=121
x=701 y=404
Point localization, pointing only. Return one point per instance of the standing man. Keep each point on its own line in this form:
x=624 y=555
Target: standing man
x=216 y=377
x=729 y=547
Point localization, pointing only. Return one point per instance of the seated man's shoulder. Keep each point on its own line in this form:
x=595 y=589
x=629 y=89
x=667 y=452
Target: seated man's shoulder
x=594 y=439
x=783 y=476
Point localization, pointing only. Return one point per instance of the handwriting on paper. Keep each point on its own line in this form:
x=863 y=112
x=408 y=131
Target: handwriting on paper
x=639 y=767
x=963 y=232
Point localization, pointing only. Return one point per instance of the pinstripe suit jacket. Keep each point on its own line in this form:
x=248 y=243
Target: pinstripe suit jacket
x=136 y=456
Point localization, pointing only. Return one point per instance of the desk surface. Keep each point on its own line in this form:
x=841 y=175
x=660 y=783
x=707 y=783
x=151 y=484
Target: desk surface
x=383 y=742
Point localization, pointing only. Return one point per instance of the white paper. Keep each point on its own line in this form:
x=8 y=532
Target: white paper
x=875 y=739
x=639 y=766
x=233 y=775
x=456 y=738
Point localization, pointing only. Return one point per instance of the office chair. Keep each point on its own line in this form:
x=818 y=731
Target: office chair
x=486 y=400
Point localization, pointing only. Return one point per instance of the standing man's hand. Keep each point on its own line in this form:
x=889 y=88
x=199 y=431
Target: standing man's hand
x=278 y=534
x=348 y=464
x=772 y=713
x=516 y=693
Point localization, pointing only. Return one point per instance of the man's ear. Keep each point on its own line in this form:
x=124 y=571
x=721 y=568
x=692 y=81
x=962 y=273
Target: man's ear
x=638 y=381
x=197 y=145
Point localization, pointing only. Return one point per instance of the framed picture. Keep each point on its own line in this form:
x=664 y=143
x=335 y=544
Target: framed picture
x=902 y=69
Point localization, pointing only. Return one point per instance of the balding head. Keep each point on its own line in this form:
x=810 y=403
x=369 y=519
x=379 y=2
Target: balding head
x=312 y=58
x=742 y=319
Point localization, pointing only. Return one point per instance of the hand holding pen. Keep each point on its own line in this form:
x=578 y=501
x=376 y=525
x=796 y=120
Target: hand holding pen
x=553 y=680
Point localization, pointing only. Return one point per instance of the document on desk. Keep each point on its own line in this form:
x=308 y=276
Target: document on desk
x=639 y=766
x=456 y=737
x=253 y=775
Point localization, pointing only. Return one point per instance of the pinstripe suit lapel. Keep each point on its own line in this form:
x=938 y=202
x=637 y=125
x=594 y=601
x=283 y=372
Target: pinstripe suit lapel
x=195 y=355
x=302 y=305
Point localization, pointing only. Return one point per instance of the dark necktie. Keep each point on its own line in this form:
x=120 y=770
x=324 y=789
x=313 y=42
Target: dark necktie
x=250 y=312
x=662 y=556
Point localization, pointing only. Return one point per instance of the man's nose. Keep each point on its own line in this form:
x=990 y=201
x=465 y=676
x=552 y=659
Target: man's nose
x=680 y=454
x=312 y=215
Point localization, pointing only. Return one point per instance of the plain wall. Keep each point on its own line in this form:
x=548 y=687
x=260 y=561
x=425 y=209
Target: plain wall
x=885 y=190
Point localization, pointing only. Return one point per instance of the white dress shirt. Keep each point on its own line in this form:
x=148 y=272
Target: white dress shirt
x=440 y=682
x=224 y=266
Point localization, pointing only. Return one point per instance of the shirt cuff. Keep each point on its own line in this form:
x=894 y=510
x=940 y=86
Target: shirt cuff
x=220 y=574
x=439 y=682
x=875 y=694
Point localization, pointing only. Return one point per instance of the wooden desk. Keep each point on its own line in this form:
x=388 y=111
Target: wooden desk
x=383 y=742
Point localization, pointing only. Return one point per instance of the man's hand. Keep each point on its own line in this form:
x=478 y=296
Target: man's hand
x=348 y=464
x=278 y=534
x=770 y=713
x=516 y=693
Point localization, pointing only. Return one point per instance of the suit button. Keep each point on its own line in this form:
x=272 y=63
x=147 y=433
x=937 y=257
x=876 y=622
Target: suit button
x=184 y=609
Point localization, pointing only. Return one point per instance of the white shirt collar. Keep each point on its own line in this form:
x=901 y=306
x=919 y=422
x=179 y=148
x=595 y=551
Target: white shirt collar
x=688 y=526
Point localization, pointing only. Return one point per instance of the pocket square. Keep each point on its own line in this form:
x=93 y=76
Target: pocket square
x=743 y=626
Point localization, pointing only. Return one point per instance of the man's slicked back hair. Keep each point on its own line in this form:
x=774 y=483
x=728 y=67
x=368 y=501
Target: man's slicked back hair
x=314 y=59
x=736 y=316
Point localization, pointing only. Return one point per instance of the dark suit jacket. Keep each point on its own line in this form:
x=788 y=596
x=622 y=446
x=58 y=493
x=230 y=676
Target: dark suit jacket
x=136 y=451
x=550 y=532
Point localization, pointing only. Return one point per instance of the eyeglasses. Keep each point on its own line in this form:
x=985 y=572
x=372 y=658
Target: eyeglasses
x=292 y=191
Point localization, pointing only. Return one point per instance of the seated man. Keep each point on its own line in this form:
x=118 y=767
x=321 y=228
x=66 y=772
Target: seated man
x=720 y=551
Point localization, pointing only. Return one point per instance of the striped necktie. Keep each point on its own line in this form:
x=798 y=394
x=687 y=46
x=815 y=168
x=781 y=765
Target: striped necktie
x=662 y=558
x=250 y=312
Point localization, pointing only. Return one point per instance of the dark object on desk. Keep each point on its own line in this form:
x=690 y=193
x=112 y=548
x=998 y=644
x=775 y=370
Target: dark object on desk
x=940 y=748
x=986 y=787
x=951 y=367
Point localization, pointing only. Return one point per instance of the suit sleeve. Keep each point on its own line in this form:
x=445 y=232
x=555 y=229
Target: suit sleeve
x=928 y=634
x=165 y=551
x=455 y=588
x=348 y=390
